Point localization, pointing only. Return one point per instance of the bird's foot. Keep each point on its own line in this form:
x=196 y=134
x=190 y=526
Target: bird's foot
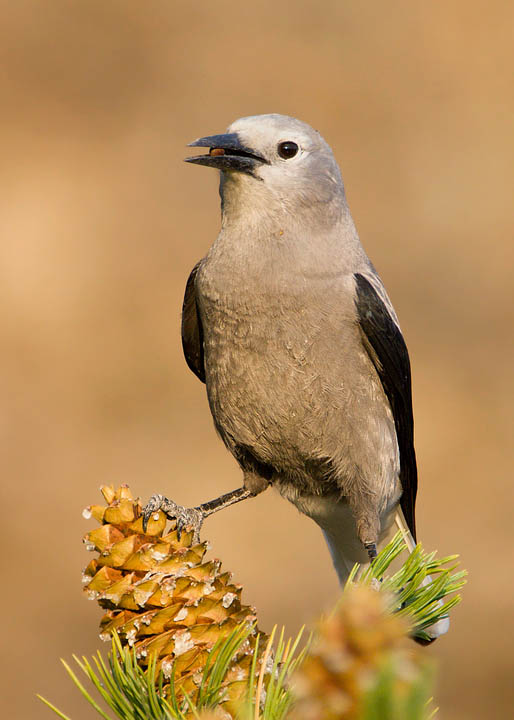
x=184 y=517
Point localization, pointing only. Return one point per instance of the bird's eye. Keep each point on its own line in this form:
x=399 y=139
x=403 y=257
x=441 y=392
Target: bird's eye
x=287 y=149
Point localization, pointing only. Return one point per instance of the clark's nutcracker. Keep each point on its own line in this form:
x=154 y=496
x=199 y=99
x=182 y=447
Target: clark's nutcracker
x=288 y=324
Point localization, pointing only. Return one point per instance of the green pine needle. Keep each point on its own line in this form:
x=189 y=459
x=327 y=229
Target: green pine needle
x=419 y=589
x=135 y=694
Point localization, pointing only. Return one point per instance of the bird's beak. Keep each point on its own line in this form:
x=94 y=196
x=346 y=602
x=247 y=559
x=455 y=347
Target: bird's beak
x=227 y=153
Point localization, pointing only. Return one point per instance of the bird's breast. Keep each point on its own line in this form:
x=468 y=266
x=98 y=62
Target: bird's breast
x=273 y=365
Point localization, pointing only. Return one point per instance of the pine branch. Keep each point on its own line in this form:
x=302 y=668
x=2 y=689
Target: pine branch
x=183 y=645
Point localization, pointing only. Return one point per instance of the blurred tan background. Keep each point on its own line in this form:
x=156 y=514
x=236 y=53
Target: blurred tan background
x=101 y=222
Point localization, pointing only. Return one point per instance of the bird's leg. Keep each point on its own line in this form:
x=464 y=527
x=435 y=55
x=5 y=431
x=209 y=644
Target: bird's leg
x=371 y=548
x=368 y=522
x=195 y=516
x=224 y=501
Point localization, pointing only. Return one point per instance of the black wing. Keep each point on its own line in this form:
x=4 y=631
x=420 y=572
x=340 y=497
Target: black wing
x=387 y=350
x=192 y=333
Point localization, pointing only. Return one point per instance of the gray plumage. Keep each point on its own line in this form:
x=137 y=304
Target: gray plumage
x=288 y=324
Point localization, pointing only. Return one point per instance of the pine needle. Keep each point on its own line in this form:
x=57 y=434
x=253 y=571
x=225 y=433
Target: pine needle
x=420 y=589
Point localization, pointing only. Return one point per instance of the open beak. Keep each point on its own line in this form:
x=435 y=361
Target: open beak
x=226 y=152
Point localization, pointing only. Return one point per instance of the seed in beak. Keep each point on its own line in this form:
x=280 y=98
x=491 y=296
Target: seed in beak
x=216 y=151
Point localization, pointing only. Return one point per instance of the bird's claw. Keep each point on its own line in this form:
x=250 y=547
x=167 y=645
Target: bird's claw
x=184 y=517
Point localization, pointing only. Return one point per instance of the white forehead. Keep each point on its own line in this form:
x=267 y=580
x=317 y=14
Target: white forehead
x=263 y=130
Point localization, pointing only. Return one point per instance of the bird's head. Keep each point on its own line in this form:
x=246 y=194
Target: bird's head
x=276 y=158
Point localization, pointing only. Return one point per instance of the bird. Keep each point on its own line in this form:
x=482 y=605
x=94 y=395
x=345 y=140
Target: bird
x=288 y=324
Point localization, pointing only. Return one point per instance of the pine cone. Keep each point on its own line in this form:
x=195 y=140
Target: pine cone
x=349 y=651
x=160 y=595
